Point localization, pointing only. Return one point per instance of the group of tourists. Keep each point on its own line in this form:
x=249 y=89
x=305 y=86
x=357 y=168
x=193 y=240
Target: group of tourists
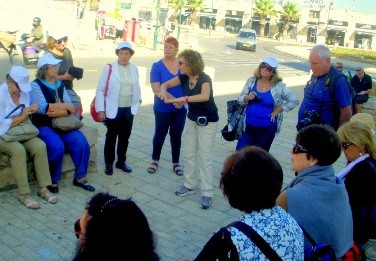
x=333 y=209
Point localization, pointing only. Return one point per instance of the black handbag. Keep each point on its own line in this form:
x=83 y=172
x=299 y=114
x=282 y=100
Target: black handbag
x=235 y=116
x=318 y=252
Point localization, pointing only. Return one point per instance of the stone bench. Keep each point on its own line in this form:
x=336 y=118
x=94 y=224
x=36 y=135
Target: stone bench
x=7 y=178
x=370 y=107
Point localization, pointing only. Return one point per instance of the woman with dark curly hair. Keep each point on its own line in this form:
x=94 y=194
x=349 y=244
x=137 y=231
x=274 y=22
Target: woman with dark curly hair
x=316 y=198
x=201 y=123
x=113 y=229
x=251 y=179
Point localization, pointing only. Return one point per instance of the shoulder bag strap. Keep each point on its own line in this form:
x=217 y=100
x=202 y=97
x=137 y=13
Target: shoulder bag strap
x=108 y=79
x=257 y=240
x=308 y=236
x=243 y=108
x=15 y=109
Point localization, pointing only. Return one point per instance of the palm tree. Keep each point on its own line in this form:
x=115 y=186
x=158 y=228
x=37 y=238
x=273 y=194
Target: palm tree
x=264 y=8
x=290 y=12
x=175 y=6
x=194 y=6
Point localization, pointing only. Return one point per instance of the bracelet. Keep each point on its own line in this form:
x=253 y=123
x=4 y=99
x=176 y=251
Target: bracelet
x=186 y=98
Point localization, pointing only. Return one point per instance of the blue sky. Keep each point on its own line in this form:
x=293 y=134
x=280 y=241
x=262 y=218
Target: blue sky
x=363 y=6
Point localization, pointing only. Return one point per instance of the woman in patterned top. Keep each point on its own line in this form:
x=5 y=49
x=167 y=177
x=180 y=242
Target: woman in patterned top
x=251 y=180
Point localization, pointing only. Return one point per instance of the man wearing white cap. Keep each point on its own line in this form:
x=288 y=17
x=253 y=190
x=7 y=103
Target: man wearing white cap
x=13 y=92
x=10 y=54
x=45 y=90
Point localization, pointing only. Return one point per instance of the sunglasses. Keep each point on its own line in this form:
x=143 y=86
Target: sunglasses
x=62 y=40
x=357 y=70
x=266 y=67
x=345 y=145
x=77 y=228
x=180 y=62
x=338 y=67
x=296 y=149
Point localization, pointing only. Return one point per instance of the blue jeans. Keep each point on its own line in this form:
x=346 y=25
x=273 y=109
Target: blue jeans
x=119 y=127
x=164 y=122
x=257 y=136
x=57 y=143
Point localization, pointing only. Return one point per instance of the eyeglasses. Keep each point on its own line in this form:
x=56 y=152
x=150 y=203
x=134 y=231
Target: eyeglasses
x=18 y=87
x=296 y=149
x=180 y=62
x=338 y=67
x=266 y=67
x=345 y=145
x=77 y=228
x=357 y=70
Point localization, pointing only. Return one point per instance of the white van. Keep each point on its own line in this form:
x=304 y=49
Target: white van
x=246 y=39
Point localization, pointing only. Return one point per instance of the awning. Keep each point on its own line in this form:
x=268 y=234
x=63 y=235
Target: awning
x=233 y=18
x=337 y=29
x=206 y=14
x=311 y=26
x=365 y=32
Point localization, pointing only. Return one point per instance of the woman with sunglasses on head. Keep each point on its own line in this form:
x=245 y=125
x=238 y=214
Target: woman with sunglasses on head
x=316 y=198
x=359 y=148
x=13 y=92
x=168 y=117
x=201 y=123
x=53 y=102
x=57 y=46
x=113 y=229
x=265 y=97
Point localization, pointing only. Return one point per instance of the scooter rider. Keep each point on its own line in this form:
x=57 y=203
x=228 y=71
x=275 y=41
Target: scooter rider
x=36 y=35
x=10 y=54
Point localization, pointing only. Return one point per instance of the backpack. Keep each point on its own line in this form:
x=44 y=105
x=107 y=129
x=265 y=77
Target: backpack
x=331 y=82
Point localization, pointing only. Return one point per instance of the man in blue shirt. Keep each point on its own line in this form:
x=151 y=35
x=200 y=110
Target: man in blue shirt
x=332 y=106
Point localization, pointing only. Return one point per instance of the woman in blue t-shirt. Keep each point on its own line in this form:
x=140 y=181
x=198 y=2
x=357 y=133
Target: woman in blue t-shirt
x=200 y=125
x=266 y=97
x=168 y=117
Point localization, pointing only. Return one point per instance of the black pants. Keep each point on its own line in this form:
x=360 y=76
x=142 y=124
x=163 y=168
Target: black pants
x=121 y=127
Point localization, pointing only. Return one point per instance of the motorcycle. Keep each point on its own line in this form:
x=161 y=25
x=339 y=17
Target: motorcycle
x=30 y=54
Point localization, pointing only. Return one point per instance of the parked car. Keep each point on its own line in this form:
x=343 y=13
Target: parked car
x=246 y=39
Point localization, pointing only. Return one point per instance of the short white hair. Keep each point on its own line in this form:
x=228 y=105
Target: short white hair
x=322 y=50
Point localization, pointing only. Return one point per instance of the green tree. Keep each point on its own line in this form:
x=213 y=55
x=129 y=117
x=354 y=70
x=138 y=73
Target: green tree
x=290 y=12
x=264 y=8
x=194 y=6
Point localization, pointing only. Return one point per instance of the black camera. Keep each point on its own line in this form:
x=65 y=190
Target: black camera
x=310 y=117
x=256 y=99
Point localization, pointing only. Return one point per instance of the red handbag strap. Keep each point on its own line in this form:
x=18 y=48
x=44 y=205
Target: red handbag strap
x=108 y=79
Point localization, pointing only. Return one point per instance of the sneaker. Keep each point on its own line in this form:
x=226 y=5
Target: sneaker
x=206 y=202
x=184 y=191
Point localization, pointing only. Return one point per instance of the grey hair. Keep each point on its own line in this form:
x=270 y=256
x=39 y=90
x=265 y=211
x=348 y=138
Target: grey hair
x=359 y=68
x=322 y=50
x=41 y=72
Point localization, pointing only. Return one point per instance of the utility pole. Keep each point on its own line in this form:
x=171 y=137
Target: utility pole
x=156 y=29
x=179 y=20
x=211 y=18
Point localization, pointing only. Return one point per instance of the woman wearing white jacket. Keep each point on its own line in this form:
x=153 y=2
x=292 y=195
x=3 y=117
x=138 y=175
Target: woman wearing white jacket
x=118 y=106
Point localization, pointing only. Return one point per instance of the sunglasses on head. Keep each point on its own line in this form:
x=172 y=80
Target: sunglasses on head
x=77 y=228
x=296 y=149
x=62 y=40
x=266 y=67
x=345 y=145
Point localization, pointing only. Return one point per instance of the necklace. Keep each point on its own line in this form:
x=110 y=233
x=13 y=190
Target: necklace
x=191 y=83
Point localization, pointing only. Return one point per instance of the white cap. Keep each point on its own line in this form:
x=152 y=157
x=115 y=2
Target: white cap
x=124 y=45
x=273 y=62
x=21 y=76
x=48 y=58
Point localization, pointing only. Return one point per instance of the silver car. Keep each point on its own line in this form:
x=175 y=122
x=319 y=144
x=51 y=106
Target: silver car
x=246 y=39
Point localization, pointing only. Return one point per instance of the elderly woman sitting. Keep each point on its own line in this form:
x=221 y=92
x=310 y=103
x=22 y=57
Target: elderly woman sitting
x=13 y=92
x=46 y=92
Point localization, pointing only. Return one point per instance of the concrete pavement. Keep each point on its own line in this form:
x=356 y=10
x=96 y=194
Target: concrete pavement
x=181 y=227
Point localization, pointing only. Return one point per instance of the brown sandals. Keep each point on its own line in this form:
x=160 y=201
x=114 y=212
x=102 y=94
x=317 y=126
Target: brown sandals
x=153 y=167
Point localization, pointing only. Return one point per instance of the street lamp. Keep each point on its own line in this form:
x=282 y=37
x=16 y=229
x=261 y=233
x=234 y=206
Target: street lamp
x=211 y=18
x=156 y=26
x=327 y=23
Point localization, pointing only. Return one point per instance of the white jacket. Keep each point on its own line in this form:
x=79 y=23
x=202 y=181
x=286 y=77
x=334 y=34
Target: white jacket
x=112 y=98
